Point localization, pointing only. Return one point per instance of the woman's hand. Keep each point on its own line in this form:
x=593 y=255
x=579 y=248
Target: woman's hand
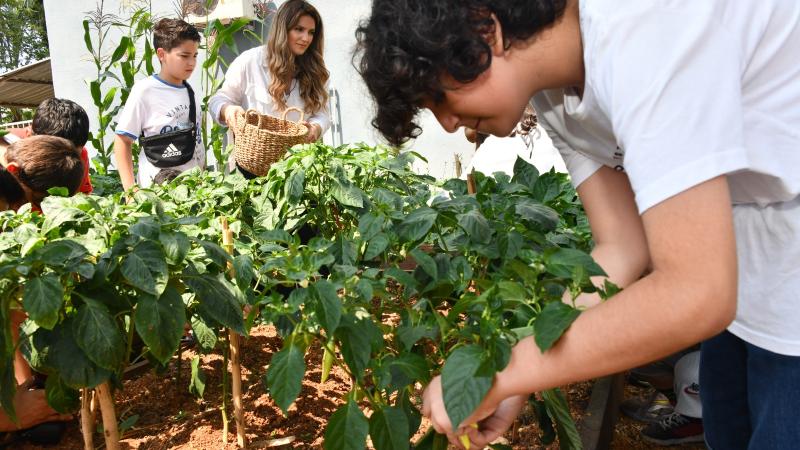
x=231 y=114
x=314 y=131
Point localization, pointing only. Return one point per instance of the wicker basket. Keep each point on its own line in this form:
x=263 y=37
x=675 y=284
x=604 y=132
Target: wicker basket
x=260 y=140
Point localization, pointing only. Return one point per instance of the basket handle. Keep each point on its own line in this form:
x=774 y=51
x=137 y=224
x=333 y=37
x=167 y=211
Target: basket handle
x=241 y=120
x=302 y=114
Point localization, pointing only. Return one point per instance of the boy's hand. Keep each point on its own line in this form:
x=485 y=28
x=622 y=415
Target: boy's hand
x=314 y=131
x=489 y=421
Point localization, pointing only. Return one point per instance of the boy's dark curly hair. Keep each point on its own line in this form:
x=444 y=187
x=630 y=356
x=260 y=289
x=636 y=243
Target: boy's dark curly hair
x=63 y=118
x=406 y=46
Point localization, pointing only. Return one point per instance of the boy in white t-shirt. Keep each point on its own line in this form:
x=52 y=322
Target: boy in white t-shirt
x=161 y=107
x=678 y=123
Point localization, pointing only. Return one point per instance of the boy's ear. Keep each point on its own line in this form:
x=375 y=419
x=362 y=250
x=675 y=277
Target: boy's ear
x=495 y=38
x=161 y=53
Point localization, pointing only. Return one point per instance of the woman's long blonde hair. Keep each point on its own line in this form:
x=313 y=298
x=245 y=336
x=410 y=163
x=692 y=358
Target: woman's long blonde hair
x=284 y=66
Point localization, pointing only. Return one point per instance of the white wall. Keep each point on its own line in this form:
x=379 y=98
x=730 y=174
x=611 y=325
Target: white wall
x=73 y=68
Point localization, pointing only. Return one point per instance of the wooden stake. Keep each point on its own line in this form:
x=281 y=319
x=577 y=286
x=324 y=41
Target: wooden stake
x=110 y=429
x=87 y=419
x=236 y=366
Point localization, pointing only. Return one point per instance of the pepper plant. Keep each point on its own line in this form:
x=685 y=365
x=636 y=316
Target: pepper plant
x=487 y=269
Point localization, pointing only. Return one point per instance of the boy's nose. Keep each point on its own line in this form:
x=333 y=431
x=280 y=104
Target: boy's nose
x=449 y=121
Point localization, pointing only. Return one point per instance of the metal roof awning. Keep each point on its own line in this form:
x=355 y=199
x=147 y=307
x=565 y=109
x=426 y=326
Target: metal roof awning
x=27 y=86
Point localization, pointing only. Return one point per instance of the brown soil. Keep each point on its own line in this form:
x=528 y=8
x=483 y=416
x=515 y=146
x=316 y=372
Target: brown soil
x=172 y=418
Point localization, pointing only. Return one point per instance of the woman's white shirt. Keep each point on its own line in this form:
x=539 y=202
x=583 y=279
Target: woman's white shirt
x=247 y=85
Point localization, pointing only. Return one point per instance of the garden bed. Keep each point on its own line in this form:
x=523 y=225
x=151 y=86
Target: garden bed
x=170 y=417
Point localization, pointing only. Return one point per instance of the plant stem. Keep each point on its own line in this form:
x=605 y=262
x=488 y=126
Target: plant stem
x=233 y=338
x=87 y=419
x=224 y=393
x=110 y=429
x=236 y=389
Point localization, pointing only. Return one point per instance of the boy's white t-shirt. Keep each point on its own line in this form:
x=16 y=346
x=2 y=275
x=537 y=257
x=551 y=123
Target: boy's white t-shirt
x=156 y=107
x=678 y=92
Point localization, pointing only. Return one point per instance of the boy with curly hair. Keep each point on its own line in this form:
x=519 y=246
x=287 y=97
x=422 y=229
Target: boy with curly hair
x=678 y=124
x=66 y=119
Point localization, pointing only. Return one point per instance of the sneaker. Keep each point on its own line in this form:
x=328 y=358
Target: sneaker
x=648 y=409
x=674 y=429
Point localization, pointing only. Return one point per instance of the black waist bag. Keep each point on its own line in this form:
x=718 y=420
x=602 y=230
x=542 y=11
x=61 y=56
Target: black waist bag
x=176 y=147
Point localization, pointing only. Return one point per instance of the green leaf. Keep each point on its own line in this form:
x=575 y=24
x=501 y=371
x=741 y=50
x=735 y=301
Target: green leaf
x=525 y=173
x=426 y=262
x=61 y=253
x=67 y=359
x=205 y=336
x=407 y=369
x=538 y=214
x=388 y=428
x=403 y=278
x=463 y=388
x=563 y=260
x=347 y=428
x=370 y=224
x=121 y=49
x=417 y=224
x=61 y=397
x=87 y=37
x=558 y=409
x=347 y=194
x=359 y=337
x=8 y=386
x=551 y=323
x=56 y=215
x=509 y=244
x=146 y=228
x=328 y=306
x=197 y=384
x=136 y=272
x=96 y=333
x=432 y=440
x=548 y=435
x=294 y=185
x=285 y=375
x=42 y=299
x=216 y=254
x=364 y=289
x=476 y=226
x=159 y=321
x=216 y=299
x=376 y=246
x=176 y=246
x=243 y=268
x=146 y=268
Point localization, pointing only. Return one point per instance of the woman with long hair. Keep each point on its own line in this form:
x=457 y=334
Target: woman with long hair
x=287 y=71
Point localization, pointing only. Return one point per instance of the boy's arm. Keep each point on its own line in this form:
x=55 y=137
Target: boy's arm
x=124 y=160
x=689 y=295
x=620 y=243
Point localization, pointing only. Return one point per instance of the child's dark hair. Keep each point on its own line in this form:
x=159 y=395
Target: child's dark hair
x=407 y=45
x=45 y=162
x=63 y=118
x=170 y=33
